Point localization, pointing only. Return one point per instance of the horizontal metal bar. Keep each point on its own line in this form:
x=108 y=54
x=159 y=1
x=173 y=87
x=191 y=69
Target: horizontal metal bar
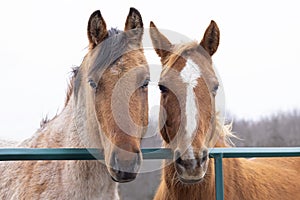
x=157 y=153
x=49 y=154
x=10 y=154
x=256 y=152
x=7 y=154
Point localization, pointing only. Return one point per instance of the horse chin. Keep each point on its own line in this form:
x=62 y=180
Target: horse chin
x=123 y=177
x=121 y=180
x=190 y=181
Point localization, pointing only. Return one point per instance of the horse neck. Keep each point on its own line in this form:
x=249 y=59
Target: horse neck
x=90 y=179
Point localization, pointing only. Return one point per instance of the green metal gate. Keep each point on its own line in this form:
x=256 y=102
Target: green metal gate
x=14 y=154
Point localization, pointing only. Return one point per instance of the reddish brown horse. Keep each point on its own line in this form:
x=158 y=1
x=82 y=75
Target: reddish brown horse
x=189 y=126
x=106 y=107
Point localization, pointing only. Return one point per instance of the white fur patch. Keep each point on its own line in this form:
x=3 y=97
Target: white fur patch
x=189 y=74
x=188 y=154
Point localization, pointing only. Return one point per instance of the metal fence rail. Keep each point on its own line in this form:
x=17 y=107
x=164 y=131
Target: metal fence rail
x=219 y=153
x=10 y=154
x=15 y=154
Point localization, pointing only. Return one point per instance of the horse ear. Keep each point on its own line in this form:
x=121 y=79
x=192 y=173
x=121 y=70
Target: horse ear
x=160 y=43
x=96 y=30
x=210 y=40
x=134 y=24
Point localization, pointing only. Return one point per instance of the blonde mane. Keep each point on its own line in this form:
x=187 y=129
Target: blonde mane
x=223 y=133
x=71 y=84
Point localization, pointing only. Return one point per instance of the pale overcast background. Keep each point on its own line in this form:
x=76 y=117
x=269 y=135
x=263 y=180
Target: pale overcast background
x=258 y=57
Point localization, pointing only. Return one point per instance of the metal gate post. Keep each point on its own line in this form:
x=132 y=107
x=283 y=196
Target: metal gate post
x=219 y=176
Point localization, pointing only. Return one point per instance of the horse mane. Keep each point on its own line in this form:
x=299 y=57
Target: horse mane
x=223 y=133
x=115 y=46
x=44 y=122
x=111 y=33
x=46 y=119
x=74 y=73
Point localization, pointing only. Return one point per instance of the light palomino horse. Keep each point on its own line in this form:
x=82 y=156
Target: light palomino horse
x=189 y=126
x=115 y=62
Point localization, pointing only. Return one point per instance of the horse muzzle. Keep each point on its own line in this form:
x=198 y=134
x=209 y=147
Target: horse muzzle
x=124 y=165
x=191 y=170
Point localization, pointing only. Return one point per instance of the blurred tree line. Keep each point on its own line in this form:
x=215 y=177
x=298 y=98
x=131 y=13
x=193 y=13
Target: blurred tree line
x=278 y=130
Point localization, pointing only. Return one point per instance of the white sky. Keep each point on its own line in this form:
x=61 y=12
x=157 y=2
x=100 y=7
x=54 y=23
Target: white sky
x=258 y=57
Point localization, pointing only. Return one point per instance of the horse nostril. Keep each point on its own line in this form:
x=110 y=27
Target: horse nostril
x=205 y=153
x=137 y=151
x=203 y=159
x=177 y=154
x=204 y=156
x=179 y=161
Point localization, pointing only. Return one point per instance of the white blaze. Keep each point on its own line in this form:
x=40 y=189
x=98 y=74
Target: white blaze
x=189 y=74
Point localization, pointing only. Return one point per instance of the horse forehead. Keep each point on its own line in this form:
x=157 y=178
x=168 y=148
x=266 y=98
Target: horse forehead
x=190 y=73
x=133 y=59
x=186 y=71
x=189 y=68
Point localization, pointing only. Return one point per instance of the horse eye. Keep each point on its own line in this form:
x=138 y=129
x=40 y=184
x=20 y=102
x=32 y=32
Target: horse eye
x=146 y=83
x=92 y=84
x=163 y=89
x=215 y=89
